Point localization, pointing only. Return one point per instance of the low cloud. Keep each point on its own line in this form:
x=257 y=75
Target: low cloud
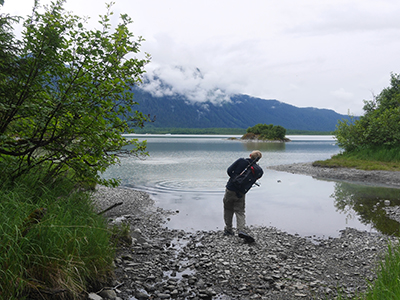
x=184 y=81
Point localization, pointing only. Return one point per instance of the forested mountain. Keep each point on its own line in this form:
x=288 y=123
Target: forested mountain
x=241 y=112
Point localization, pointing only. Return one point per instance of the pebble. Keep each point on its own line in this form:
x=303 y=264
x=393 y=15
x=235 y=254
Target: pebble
x=163 y=263
x=93 y=296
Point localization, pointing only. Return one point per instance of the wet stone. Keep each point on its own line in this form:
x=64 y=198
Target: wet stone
x=207 y=265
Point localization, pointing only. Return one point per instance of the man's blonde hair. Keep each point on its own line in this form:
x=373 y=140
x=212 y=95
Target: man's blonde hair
x=255 y=154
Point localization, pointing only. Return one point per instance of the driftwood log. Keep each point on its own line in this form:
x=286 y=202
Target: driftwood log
x=110 y=208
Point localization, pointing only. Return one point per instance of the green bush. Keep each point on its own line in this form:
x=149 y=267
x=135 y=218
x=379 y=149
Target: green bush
x=379 y=126
x=268 y=132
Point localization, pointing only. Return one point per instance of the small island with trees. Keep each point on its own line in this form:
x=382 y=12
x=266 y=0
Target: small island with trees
x=266 y=133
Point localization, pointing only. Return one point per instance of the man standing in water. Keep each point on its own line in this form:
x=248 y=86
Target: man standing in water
x=235 y=192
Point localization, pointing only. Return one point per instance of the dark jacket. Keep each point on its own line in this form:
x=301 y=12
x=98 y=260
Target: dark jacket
x=236 y=168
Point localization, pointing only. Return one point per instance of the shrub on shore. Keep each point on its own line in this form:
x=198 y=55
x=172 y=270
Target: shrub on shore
x=380 y=124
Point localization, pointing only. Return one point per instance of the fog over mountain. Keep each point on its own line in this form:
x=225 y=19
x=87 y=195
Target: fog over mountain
x=330 y=54
x=207 y=106
x=188 y=82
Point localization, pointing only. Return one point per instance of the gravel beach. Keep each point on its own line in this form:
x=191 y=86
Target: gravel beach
x=160 y=263
x=381 y=178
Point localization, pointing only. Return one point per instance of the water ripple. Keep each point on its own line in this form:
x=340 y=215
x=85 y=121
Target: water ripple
x=181 y=187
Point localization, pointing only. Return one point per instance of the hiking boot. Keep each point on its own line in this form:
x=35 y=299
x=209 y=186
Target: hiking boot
x=228 y=232
x=247 y=238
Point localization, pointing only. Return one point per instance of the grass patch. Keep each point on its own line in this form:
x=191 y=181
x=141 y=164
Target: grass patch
x=52 y=243
x=344 y=162
x=387 y=286
x=374 y=158
x=121 y=234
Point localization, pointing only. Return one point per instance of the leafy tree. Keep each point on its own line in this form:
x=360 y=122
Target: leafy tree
x=268 y=132
x=379 y=126
x=65 y=95
x=259 y=128
x=279 y=132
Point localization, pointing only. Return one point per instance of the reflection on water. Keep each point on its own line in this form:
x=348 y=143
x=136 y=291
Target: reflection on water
x=367 y=204
x=188 y=174
x=268 y=147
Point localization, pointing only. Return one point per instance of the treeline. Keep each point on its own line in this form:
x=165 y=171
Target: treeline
x=219 y=131
x=307 y=132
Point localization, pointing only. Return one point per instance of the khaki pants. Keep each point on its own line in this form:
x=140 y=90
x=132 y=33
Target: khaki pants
x=233 y=205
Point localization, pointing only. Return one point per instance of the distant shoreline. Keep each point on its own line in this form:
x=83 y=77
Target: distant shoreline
x=373 y=177
x=286 y=140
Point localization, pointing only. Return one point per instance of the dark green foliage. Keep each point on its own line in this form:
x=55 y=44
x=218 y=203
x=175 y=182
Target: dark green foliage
x=378 y=127
x=65 y=93
x=268 y=132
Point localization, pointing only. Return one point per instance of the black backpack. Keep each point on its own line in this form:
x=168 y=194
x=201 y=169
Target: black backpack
x=245 y=180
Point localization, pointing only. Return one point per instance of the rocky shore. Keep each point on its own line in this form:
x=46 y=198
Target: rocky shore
x=160 y=263
x=383 y=178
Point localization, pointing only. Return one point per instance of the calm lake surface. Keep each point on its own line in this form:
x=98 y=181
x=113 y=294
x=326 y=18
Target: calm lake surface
x=188 y=174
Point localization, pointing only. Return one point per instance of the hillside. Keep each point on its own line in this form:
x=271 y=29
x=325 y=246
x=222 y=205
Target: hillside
x=242 y=112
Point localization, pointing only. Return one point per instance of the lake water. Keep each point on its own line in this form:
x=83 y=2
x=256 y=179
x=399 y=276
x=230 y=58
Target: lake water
x=187 y=174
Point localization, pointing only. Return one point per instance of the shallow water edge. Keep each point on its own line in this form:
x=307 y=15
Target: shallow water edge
x=165 y=263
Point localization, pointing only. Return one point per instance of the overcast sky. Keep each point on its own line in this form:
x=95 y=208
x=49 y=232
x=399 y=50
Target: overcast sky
x=308 y=53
